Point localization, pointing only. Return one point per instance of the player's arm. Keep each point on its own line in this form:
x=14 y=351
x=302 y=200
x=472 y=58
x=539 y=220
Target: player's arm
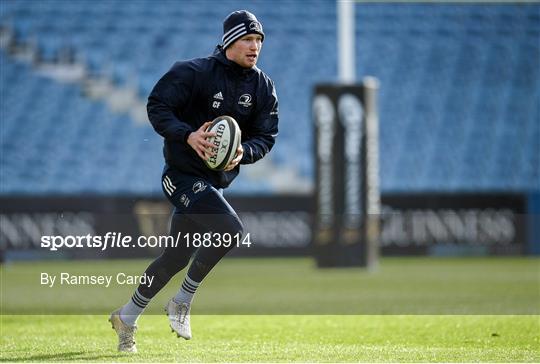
x=261 y=135
x=170 y=94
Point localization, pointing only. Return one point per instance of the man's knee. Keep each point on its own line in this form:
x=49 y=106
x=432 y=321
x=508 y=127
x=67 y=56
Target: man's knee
x=232 y=225
x=172 y=261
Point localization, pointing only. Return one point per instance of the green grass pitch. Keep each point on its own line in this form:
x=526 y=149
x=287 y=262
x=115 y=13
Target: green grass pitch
x=286 y=310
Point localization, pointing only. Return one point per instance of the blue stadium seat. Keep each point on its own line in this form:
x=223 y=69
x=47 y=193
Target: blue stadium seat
x=460 y=89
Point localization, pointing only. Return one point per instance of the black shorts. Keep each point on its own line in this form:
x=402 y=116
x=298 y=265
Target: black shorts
x=193 y=195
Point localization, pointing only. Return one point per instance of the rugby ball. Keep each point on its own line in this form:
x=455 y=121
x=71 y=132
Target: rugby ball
x=226 y=141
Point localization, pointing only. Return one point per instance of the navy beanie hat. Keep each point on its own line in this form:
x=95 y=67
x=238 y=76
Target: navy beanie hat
x=239 y=23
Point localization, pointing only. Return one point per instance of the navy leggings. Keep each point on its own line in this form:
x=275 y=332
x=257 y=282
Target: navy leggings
x=199 y=208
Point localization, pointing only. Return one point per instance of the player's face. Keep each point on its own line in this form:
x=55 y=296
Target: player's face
x=245 y=51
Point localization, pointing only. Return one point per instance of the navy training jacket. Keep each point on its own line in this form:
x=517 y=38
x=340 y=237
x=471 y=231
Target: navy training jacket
x=199 y=90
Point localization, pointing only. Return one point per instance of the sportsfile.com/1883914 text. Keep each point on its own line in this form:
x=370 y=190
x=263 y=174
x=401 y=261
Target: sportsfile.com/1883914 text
x=120 y=240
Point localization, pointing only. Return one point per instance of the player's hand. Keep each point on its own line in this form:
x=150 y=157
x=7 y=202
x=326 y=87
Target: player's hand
x=197 y=141
x=236 y=160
